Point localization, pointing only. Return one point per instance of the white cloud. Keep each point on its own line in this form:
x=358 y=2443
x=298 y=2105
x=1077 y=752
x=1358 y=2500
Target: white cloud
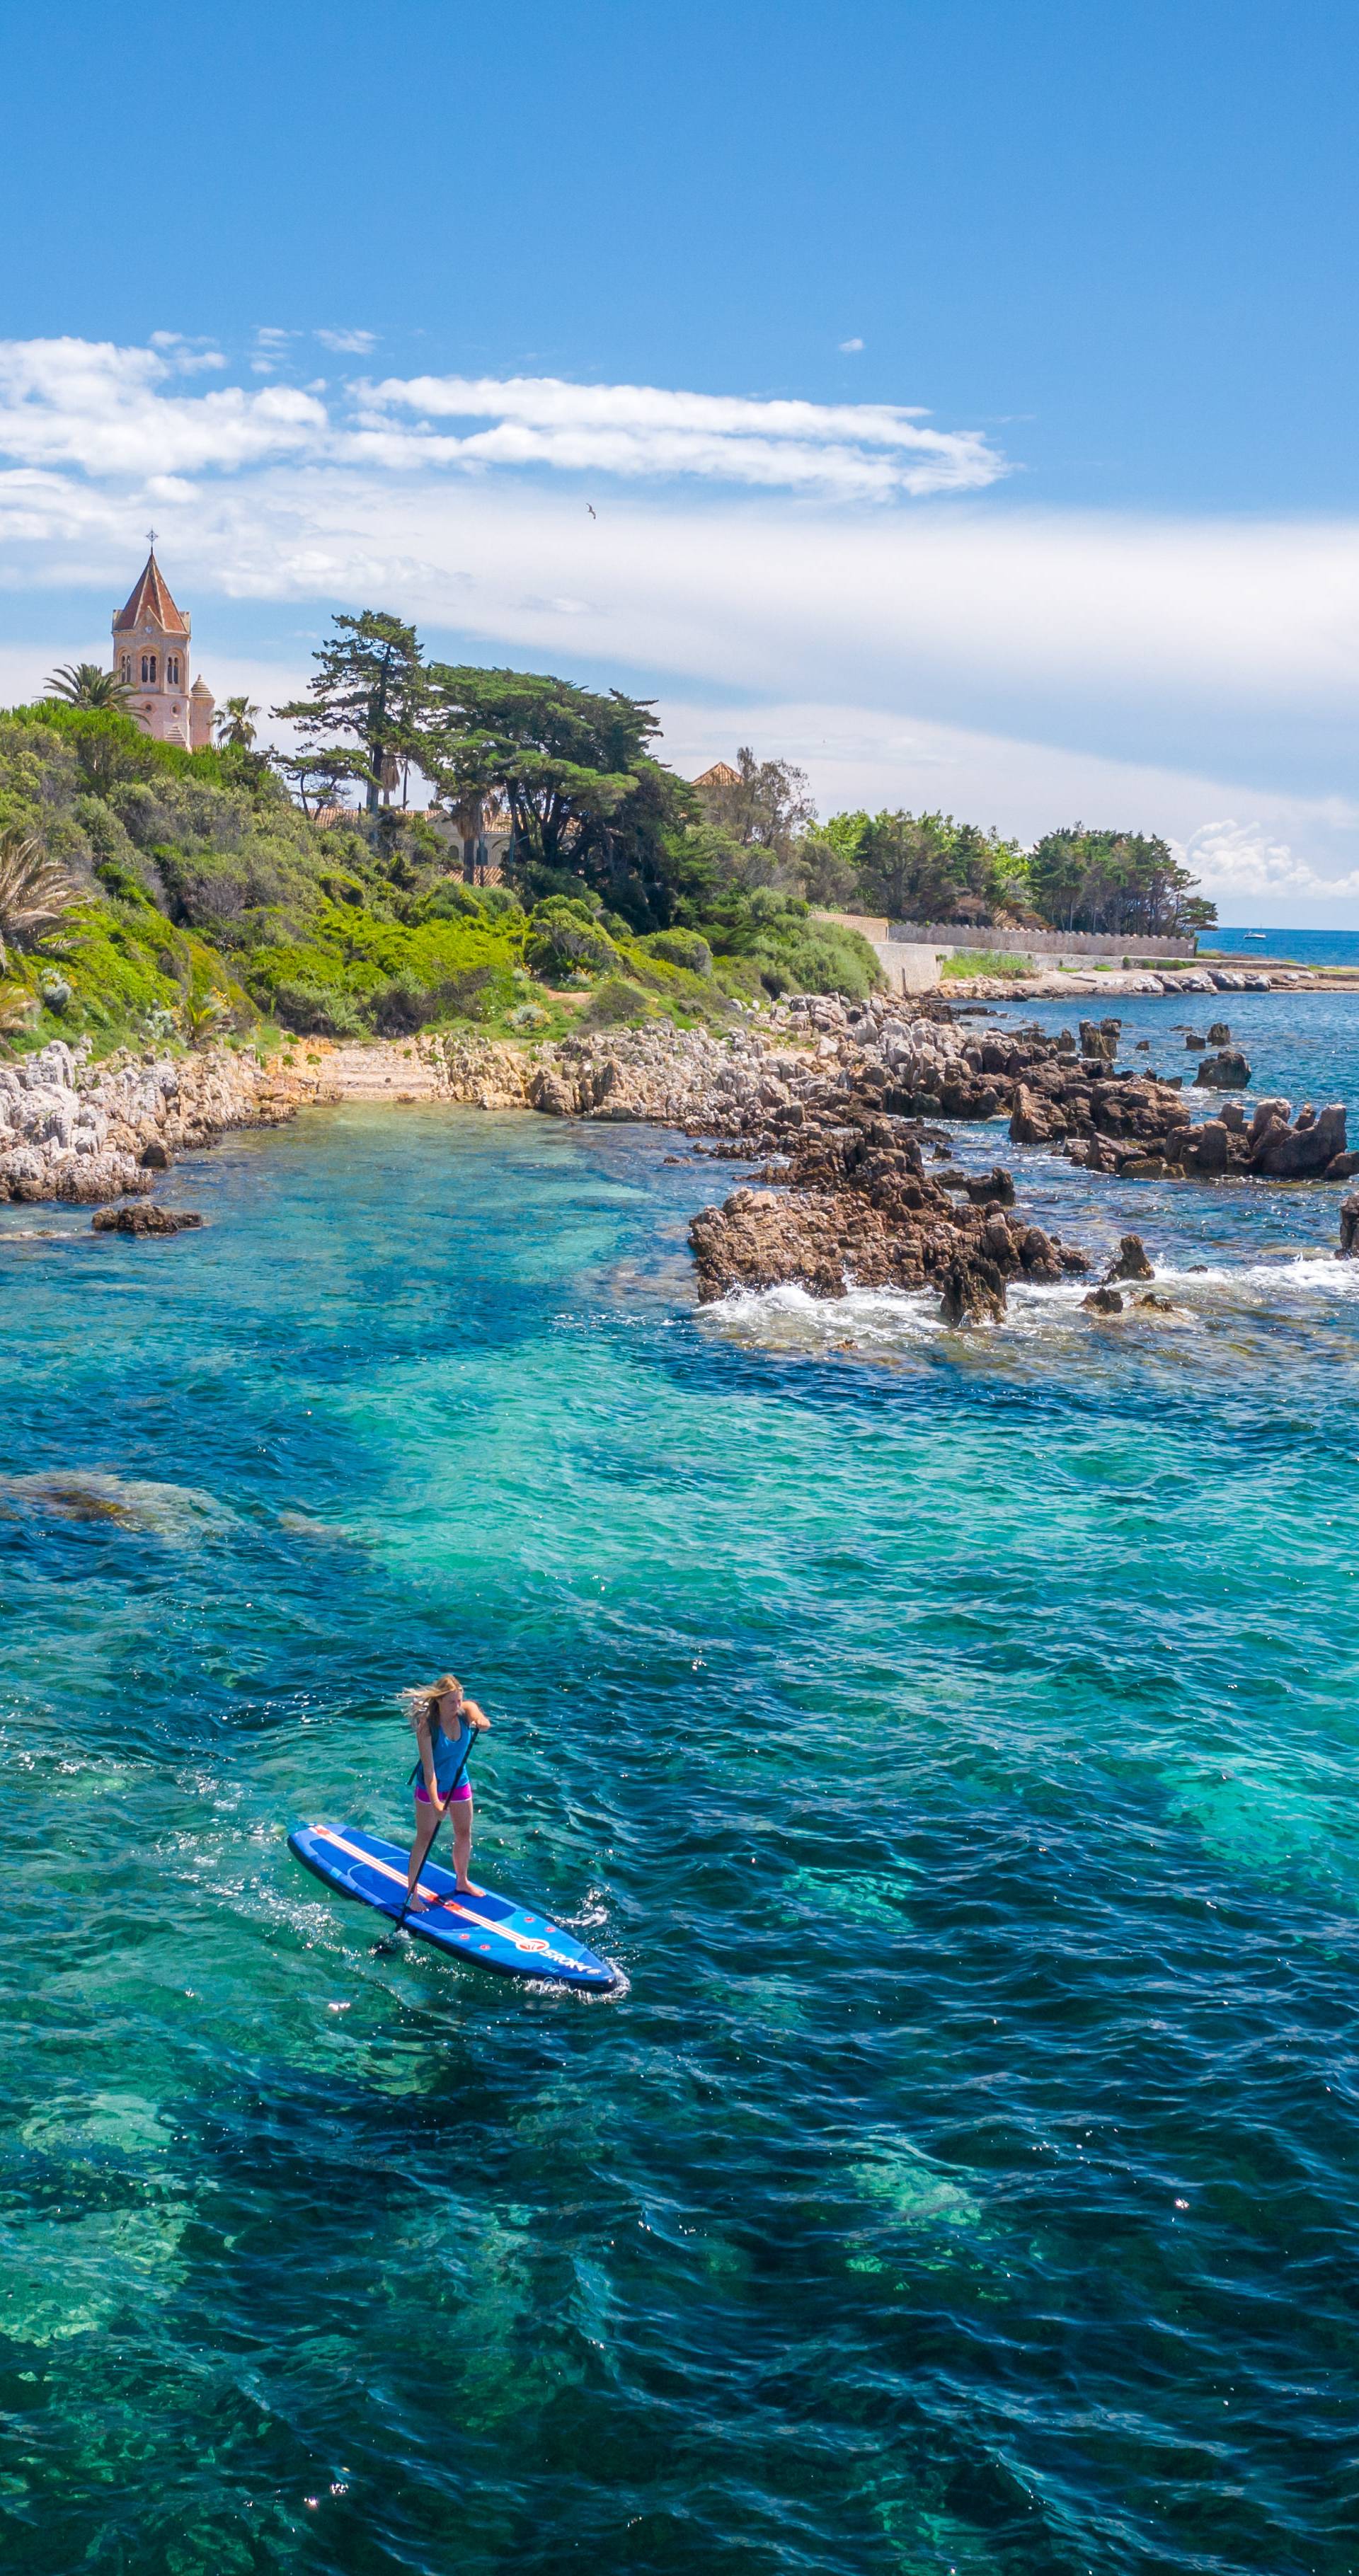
x=862 y=451
x=849 y=347
x=116 y=411
x=1238 y=859
x=107 y=411
x=356 y=343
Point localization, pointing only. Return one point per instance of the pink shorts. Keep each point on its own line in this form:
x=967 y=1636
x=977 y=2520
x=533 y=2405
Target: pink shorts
x=463 y=1790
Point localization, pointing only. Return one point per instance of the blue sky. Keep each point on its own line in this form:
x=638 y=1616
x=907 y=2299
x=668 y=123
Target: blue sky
x=964 y=395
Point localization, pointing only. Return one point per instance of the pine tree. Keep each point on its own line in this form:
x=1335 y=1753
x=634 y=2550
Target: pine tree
x=369 y=684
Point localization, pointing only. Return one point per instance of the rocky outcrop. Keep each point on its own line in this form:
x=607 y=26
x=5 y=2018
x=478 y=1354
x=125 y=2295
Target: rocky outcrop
x=1130 y=1261
x=1225 y=1071
x=144 y=1218
x=87 y=1133
x=1349 y=1227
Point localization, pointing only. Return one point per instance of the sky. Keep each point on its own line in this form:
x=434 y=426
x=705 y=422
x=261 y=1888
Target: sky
x=957 y=400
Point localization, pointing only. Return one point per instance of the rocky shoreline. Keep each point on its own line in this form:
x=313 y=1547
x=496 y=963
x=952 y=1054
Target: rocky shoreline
x=838 y=1104
x=88 y=1133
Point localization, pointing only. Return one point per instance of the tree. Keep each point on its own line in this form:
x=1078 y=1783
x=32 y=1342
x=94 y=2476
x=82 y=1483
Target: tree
x=370 y=684
x=587 y=803
x=315 y=775
x=766 y=807
x=34 y=892
x=83 y=684
x=926 y=867
x=1122 y=883
x=235 y=725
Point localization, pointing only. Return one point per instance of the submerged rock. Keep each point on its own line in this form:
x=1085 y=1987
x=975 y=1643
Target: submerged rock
x=1103 y=1301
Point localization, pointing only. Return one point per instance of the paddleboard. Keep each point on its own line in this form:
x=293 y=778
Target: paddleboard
x=491 y=1931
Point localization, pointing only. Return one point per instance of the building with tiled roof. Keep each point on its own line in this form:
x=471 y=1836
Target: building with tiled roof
x=151 y=658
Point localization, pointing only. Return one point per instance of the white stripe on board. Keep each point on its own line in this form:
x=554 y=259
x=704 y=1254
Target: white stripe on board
x=521 y=1940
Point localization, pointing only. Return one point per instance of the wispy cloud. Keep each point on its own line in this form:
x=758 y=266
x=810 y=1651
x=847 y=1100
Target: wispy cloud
x=863 y=451
x=358 y=344
x=850 y=347
x=108 y=410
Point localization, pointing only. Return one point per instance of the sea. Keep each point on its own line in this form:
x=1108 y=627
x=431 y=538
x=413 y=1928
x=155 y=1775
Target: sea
x=1301 y=947
x=951 y=1737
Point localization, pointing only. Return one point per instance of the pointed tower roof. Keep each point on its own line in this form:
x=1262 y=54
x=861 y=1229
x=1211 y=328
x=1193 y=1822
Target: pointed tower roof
x=151 y=604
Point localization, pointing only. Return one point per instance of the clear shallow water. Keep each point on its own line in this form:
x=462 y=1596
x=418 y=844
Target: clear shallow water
x=953 y=1739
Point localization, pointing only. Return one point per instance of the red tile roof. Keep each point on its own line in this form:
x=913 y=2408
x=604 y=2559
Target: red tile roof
x=151 y=604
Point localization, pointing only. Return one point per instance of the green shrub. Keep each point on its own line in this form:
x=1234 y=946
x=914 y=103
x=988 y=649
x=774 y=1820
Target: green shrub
x=686 y=948
x=616 y=1003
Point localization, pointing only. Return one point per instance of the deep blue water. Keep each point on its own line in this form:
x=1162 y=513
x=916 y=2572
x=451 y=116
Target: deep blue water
x=1304 y=947
x=952 y=1738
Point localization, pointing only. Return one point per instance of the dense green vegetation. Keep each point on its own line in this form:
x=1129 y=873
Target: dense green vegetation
x=200 y=899
x=927 y=867
x=194 y=895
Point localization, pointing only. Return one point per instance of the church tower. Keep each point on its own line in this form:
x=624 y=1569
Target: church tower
x=151 y=658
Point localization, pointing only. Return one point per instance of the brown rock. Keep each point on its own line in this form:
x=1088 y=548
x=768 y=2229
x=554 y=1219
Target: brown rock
x=1130 y=1261
x=1103 y=1301
x=1028 y=1123
x=154 y=1157
x=144 y=1218
x=1349 y=1227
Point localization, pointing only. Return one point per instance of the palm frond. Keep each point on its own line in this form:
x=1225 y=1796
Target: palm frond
x=83 y=684
x=34 y=891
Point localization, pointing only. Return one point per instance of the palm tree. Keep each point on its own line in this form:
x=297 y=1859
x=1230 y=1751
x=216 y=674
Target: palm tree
x=201 y=1016
x=34 y=892
x=235 y=726
x=83 y=684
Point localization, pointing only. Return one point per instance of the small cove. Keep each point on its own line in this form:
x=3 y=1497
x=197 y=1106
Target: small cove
x=950 y=1736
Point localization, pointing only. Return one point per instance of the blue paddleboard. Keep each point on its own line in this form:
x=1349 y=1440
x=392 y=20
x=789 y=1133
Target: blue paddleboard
x=490 y=1930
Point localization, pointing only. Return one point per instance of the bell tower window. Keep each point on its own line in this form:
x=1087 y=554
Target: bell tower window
x=172 y=670
x=148 y=670
x=125 y=669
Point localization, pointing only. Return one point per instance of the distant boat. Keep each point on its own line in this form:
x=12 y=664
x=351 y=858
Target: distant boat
x=1255 y=934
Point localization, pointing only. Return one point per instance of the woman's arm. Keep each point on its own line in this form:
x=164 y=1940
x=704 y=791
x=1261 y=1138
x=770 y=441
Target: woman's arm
x=476 y=1717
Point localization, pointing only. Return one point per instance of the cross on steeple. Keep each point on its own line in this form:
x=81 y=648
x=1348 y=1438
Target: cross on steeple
x=151 y=535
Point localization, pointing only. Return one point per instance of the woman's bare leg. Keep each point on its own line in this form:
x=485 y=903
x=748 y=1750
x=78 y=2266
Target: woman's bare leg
x=462 y=1845
x=426 y=1818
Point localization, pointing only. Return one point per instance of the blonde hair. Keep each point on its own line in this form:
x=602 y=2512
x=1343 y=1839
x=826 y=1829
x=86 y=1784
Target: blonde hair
x=421 y=1700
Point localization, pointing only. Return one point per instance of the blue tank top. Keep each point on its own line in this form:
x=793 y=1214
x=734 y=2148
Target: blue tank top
x=448 y=1751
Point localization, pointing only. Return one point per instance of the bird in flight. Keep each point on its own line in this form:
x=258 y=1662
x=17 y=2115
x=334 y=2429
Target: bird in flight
x=591 y=508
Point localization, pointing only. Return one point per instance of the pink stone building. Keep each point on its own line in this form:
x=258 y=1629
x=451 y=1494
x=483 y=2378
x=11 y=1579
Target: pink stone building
x=151 y=656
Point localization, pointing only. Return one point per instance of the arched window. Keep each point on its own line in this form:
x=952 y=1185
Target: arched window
x=148 y=670
x=172 y=670
x=125 y=668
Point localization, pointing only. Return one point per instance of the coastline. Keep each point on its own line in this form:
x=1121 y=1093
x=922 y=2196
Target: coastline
x=837 y=1106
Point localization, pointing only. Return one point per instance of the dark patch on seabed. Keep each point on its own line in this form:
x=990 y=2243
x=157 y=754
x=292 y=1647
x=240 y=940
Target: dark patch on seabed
x=955 y=1754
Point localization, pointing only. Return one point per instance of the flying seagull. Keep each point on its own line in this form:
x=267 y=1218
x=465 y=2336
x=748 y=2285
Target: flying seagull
x=591 y=508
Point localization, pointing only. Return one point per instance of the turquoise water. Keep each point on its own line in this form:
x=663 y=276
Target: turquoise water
x=951 y=1738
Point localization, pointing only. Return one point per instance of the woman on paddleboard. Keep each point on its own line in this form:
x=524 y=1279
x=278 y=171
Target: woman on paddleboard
x=445 y=1721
